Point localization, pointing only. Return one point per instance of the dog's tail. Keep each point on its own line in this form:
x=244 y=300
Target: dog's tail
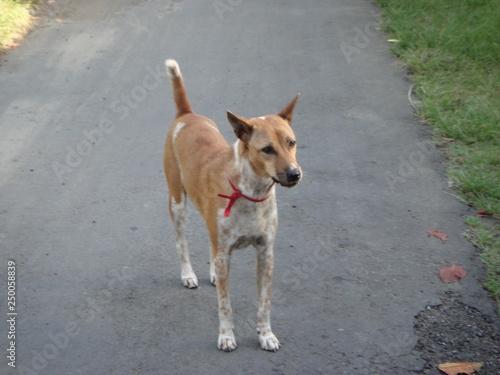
x=180 y=96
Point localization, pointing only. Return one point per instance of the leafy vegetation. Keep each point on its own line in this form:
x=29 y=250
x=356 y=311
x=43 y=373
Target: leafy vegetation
x=15 y=22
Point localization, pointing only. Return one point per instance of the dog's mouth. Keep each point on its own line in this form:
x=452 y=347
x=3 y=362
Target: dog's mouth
x=289 y=184
x=286 y=182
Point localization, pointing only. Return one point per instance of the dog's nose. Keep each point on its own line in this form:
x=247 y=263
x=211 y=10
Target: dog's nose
x=293 y=175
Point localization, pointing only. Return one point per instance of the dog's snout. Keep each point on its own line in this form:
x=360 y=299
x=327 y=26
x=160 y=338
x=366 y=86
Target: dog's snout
x=293 y=175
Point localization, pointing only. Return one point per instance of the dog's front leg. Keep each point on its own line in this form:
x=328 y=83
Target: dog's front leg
x=227 y=341
x=265 y=266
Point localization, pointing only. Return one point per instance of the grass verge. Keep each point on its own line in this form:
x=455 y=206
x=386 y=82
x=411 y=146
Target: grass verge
x=483 y=236
x=451 y=49
x=15 y=22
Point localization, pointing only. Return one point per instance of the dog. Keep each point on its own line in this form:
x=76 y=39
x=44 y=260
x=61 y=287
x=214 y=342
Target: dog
x=233 y=187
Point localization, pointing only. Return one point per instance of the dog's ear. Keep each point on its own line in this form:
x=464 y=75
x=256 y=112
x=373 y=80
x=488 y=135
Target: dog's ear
x=287 y=112
x=241 y=126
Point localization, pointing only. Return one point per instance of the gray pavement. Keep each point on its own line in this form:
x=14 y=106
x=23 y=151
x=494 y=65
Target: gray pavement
x=84 y=110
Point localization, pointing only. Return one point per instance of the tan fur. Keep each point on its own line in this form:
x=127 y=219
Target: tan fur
x=198 y=163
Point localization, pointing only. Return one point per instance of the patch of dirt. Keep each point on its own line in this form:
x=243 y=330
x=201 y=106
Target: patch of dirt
x=455 y=332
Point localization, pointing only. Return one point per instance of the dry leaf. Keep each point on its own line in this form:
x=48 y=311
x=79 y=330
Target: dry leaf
x=59 y=20
x=452 y=273
x=460 y=367
x=438 y=234
x=483 y=213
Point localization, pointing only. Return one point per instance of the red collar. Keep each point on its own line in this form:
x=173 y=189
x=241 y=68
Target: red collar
x=237 y=194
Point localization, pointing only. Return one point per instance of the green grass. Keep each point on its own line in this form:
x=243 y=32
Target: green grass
x=15 y=22
x=486 y=238
x=452 y=51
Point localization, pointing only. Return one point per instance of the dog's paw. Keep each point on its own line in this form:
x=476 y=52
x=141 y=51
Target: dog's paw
x=190 y=280
x=213 y=278
x=268 y=341
x=227 y=342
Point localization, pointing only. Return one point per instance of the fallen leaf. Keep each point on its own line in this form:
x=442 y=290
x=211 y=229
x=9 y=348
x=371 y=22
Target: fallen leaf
x=460 y=367
x=58 y=20
x=483 y=213
x=447 y=140
x=452 y=273
x=438 y=234
x=393 y=40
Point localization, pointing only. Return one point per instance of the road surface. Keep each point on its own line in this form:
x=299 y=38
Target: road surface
x=84 y=110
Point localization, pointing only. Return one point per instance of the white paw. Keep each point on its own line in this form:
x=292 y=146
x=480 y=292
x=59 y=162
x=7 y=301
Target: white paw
x=190 y=280
x=227 y=342
x=212 y=273
x=269 y=342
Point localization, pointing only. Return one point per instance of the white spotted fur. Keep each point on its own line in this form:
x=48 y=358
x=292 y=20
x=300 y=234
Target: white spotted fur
x=177 y=130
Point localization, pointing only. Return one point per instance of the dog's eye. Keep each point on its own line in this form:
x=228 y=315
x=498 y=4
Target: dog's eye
x=268 y=150
x=292 y=143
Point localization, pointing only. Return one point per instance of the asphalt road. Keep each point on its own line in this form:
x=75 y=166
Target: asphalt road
x=84 y=110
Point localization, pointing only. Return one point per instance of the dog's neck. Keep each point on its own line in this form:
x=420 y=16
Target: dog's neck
x=246 y=178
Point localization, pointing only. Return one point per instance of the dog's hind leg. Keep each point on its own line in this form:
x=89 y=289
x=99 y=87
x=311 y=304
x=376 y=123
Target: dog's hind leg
x=178 y=214
x=177 y=208
x=212 y=265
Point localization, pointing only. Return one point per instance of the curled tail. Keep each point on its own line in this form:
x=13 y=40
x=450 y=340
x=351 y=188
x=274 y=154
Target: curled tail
x=180 y=96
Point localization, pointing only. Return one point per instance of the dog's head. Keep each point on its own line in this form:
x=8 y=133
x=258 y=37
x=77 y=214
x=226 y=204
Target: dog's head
x=270 y=144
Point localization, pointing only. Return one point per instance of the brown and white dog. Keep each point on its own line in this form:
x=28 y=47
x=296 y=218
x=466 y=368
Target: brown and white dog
x=233 y=187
